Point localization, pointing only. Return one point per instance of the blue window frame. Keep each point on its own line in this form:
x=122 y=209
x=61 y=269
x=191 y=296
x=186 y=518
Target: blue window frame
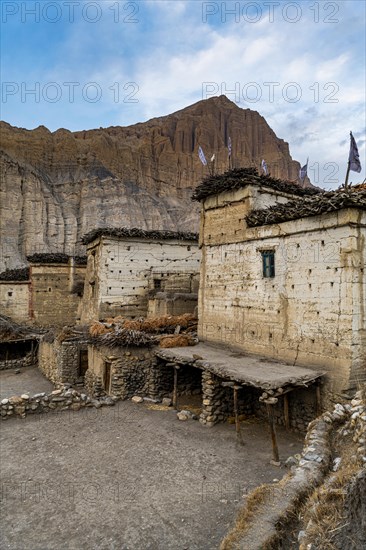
x=268 y=261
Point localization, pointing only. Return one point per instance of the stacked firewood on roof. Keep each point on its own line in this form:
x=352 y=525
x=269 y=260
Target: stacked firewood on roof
x=240 y=177
x=123 y=232
x=165 y=331
x=308 y=206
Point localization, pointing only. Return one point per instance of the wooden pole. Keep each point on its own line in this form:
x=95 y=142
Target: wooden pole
x=276 y=458
x=347 y=175
x=286 y=411
x=318 y=399
x=239 y=436
x=175 y=389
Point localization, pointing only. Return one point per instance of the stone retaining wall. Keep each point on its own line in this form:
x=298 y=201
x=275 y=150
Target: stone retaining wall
x=278 y=502
x=27 y=361
x=58 y=400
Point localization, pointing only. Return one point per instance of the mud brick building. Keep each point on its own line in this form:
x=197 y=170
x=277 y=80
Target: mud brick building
x=131 y=272
x=283 y=273
x=15 y=295
x=46 y=293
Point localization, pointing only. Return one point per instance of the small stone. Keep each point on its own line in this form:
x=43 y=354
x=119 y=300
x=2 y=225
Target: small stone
x=109 y=401
x=182 y=416
x=17 y=371
x=291 y=461
x=4 y=401
x=24 y=396
x=275 y=463
x=137 y=399
x=167 y=402
x=56 y=392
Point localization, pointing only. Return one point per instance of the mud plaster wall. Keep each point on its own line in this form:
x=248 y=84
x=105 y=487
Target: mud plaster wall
x=53 y=303
x=312 y=312
x=120 y=274
x=15 y=300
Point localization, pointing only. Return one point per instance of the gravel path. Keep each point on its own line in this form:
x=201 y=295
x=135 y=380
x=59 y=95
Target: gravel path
x=127 y=478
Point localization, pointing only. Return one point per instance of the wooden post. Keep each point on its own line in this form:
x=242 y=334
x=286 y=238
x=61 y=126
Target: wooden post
x=318 y=399
x=236 y=414
x=175 y=389
x=347 y=175
x=276 y=458
x=286 y=411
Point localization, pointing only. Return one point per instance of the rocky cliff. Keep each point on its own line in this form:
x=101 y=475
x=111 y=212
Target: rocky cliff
x=55 y=187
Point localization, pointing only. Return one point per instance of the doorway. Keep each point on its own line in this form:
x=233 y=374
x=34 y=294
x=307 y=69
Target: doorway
x=83 y=363
x=107 y=377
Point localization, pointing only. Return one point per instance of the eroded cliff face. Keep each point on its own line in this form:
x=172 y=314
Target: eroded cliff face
x=57 y=186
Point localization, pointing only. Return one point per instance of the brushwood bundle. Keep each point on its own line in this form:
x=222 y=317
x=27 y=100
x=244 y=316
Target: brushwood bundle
x=124 y=232
x=240 y=177
x=308 y=206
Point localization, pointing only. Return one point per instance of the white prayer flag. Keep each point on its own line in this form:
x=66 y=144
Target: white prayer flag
x=201 y=154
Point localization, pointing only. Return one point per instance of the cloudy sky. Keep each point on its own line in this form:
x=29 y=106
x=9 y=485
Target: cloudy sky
x=82 y=64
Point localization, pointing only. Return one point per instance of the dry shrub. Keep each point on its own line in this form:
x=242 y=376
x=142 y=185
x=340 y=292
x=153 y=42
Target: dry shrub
x=133 y=324
x=65 y=334
x=97 y=329
x=179 y=341
x=324 y=511
x=245 y=516
x=156 y=324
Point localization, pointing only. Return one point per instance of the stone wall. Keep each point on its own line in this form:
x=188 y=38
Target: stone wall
x=59 y=361
x=26 y=361
x=15 y=300
x=311 y=313
x=120 y=273
x=273 y=512
x=218 y=403
x=53 y=302
x=48 y=360
x=121 y=372
x=136 y=371
x=58 y=400
x=302 y=408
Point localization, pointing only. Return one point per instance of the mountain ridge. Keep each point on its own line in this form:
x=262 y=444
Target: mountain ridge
x=57 y=186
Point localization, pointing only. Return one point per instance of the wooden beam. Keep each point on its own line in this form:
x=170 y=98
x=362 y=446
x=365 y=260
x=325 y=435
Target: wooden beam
x=276 y=458
x=286 y=411
x=318 y=399
x=239 y=436
x=175 y=388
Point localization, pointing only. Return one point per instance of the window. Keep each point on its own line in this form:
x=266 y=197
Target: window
x=157 y=284
x=268 y=260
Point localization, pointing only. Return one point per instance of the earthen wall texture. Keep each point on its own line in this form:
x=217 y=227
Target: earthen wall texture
x=312 y=312
x=53 y=302
x=120 y=274
x=15 y=300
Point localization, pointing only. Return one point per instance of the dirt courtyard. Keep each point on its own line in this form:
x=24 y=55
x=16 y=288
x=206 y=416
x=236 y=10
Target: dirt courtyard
x=128 y=478
x=28 y=380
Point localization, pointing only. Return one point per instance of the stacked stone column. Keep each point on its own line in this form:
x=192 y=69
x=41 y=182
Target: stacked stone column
x=212 y=395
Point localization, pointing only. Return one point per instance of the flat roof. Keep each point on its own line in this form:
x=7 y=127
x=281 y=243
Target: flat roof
x=237 y=178
x=323 y=203
x=238 y=366
x=125 y=232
